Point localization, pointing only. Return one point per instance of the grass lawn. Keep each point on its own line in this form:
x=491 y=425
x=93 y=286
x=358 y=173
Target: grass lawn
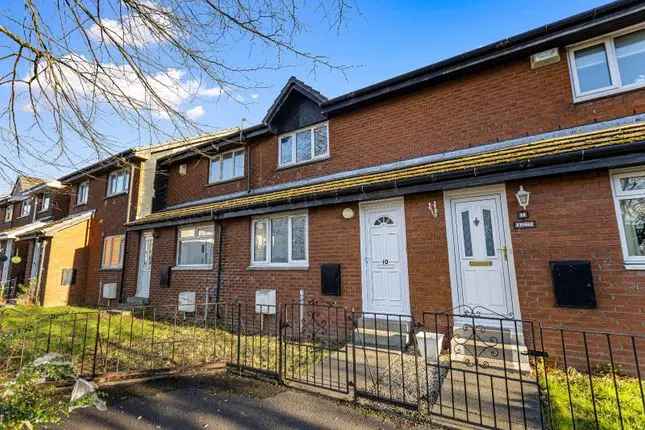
x=138 y=340
x=604 y=392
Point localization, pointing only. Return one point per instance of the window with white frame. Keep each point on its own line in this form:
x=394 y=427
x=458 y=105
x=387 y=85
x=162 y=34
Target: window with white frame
x=301 y=146
x=25 y=208
x=629 y=198
x=195 y=246
x=45 y=202
x=607 y=65
x=227 y=166
x=118 y=182
x=82 y=191
x=113 y=249
x=8 y=213
x=280 y=240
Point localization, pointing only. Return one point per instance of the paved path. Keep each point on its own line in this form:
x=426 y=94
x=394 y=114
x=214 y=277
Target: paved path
x=225 y=402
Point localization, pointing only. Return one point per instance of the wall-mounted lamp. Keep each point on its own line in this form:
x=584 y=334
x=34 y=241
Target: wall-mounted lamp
x=348 y=213
x=523 y=197
x=432 y=207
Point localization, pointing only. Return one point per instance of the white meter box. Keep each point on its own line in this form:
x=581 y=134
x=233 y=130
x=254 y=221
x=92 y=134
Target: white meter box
x=186 y=301
x=109 y=290
x=265 y=301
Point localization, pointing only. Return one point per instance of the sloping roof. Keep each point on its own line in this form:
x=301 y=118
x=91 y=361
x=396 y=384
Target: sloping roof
x=615 y=136
x=582 y=26
x=141 y=152
x=51 y=227
x=22 y=230
x=24 y=182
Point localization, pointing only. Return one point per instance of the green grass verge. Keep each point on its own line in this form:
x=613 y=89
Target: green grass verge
x=579 y=407
x=136 y=340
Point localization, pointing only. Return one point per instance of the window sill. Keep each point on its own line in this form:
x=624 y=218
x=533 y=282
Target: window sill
x=304 y=163
x=110 y=269
x=269 y=268
x=78 y=205
x=225 y=181
x=187 y=268
x=634 y=266
x=116 y=195
x=606 y=93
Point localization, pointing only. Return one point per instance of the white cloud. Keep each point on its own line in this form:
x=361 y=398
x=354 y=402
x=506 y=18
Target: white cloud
x=196 y=112
x=134 y=29
x=119 y=84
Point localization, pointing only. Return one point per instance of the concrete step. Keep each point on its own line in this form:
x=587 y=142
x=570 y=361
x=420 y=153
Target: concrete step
x=380 y=338
x=393 y=324
x=487 y=354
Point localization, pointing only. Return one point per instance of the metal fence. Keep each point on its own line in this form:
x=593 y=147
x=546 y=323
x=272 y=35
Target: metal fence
x=468 y=366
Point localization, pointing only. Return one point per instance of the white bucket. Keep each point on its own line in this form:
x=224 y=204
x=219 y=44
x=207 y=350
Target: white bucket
x=430 y=345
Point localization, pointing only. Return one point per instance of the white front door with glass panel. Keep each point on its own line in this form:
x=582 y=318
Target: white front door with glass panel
x=385 y=273
x=480 y=256
x=145 y=265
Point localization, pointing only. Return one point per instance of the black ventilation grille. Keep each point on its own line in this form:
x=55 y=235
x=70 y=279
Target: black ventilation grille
x=330 y=279
x=573 y=284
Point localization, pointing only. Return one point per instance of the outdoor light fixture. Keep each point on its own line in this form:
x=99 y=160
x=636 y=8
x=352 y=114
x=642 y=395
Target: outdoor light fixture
x=522 y=197
x=348 y=213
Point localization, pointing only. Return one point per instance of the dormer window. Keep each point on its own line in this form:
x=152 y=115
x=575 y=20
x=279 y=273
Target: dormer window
x=304 y=145
x=227 y=166
x=46 y=201
x=25 y=208
x=8 y=213
x=608 y=65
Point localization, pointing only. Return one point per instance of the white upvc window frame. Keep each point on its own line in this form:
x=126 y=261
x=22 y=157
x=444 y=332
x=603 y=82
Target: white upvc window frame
x=616 y=86
x=220 y=159
x=82 y=193
x=23 y=205
x=267 y=263
x=208 y=266
x=46 y=198
x=8 y=213
x=631 y=262
x=292 y=134
x=114 y=175
x=111 y=239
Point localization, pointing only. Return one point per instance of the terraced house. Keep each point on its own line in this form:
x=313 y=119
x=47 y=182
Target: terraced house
x=506 y=181
x=63 y=241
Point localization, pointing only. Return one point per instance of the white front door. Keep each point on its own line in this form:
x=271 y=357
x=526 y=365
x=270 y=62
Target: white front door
x=145 y=264
x=35 y=260
x=480 y=254
x=385 y=272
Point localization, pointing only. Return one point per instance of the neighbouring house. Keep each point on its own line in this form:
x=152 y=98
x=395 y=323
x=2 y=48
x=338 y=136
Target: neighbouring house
x=69 y=234
x=507 y=181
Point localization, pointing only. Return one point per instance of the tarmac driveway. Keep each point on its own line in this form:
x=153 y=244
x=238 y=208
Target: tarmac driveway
x=222 y=401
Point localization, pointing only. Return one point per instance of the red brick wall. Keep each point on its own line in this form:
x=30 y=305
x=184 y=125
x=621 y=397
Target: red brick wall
x=109 y=219
x=504 y=102
x=576 y=220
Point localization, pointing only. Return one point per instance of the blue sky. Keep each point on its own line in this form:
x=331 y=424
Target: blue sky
x=383 y=39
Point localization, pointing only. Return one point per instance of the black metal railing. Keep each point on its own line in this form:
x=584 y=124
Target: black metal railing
x=465 y=366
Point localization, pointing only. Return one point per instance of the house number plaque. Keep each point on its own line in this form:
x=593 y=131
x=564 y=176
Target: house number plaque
x=520 y=225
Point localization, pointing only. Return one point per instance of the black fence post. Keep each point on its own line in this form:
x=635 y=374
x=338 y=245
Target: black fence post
x=278 y=319
x=49 y=332
x=96 y=343
x=239 y=336
x=353 y=328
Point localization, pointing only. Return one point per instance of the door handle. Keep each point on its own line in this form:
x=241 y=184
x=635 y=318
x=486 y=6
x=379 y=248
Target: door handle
x=504 y=250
